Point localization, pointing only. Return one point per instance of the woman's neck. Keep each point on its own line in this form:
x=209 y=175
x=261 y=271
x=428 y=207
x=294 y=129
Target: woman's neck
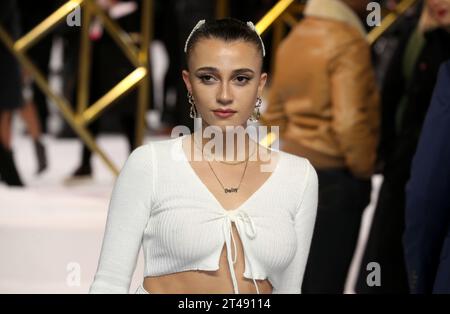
x=225 y=146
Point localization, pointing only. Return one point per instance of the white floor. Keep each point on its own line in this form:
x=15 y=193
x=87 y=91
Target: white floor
x=50 y=234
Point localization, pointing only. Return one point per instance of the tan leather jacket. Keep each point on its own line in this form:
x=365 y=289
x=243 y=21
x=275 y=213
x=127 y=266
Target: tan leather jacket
x=324 y=97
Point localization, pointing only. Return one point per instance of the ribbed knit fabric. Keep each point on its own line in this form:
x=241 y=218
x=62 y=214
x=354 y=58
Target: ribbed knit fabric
x=159 y=202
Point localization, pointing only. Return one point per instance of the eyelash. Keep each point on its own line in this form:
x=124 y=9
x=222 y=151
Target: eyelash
x=203 y=79
x=247 y=79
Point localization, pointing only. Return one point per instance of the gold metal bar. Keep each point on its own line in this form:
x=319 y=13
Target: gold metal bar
x=60 y=101
x=389 y=20
x=272 y=15
x=122 y=38
x=144 y=59
x=46 y=25
x=116 y=92
x=85 y=58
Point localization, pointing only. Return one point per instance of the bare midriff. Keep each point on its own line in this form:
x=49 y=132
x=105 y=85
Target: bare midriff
x=208 y=282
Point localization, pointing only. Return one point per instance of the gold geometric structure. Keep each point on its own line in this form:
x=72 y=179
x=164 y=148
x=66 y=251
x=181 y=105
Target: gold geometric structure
x=85 y=113
x=286 y=14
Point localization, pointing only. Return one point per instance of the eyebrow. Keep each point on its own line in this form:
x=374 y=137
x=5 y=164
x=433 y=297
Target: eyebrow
x=213 y=69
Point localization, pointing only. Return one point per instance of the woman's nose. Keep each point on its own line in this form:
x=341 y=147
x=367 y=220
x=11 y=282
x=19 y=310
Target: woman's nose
x=224 y=96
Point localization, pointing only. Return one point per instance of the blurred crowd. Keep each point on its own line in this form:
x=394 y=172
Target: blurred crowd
x=354 y=111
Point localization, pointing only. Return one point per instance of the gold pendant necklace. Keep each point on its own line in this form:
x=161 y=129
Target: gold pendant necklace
x=231 y=189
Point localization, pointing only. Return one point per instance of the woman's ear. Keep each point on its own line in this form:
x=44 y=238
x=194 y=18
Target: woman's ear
x=262 y=83
x=187 y=80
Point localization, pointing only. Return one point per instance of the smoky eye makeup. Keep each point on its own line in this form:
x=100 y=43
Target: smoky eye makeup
x=239 y=79
x=242 y=79
x=206 y=78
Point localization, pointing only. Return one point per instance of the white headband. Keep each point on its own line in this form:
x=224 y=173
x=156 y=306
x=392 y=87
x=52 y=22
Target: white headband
x=252 y=26
x=201 y=22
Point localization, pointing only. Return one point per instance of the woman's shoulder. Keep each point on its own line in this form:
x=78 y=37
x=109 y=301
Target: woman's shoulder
x=164 y=141
x=299 y=167
x=157 y=152
x=295 y=160
x=153 y=147
x=148 y=157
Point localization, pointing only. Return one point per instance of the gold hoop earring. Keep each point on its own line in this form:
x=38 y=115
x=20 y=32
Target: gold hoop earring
x=193 y=111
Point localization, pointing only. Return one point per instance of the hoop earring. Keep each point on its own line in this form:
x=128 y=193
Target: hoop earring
x=193 y=111
x=256 y=114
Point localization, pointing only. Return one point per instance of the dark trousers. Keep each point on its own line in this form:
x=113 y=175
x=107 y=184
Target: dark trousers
x=384 y=244
x=40 y=54
x=103 y=78
x=342 y=200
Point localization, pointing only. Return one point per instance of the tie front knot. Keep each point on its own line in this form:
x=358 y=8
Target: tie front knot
x=250 y=231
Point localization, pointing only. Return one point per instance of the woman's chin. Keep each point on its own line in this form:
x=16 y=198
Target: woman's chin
x=223 y=124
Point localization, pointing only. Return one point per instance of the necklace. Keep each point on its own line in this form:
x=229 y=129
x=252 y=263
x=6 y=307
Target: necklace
x=238 y=162
x=231 y=189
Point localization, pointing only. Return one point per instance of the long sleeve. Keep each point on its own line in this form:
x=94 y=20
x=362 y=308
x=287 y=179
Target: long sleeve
x=290 y=281
x=355 y=104
x=128 y=214
x=427 y=211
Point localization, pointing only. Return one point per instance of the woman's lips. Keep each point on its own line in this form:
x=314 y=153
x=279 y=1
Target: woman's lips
x=224 y=114
x=442 y=12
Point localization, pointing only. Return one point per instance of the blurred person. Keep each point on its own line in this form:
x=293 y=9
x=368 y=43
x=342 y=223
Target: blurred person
x=35 y=111
x=181 y=210
x=109 y=66
x=426 y=238
x=325 y=99
x=386 y=47
x=30 y=116
x=31 y=14
x=10 y=94
x=406 y=95
x=11 y=86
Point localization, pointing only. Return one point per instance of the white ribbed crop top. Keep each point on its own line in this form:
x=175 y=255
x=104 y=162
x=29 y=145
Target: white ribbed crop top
x=159 y=202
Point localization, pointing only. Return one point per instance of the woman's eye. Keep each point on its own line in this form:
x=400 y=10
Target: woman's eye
x=242 y=79
x=207 y=78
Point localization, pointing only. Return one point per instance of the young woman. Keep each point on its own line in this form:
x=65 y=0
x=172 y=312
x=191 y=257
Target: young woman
x=221 y=225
